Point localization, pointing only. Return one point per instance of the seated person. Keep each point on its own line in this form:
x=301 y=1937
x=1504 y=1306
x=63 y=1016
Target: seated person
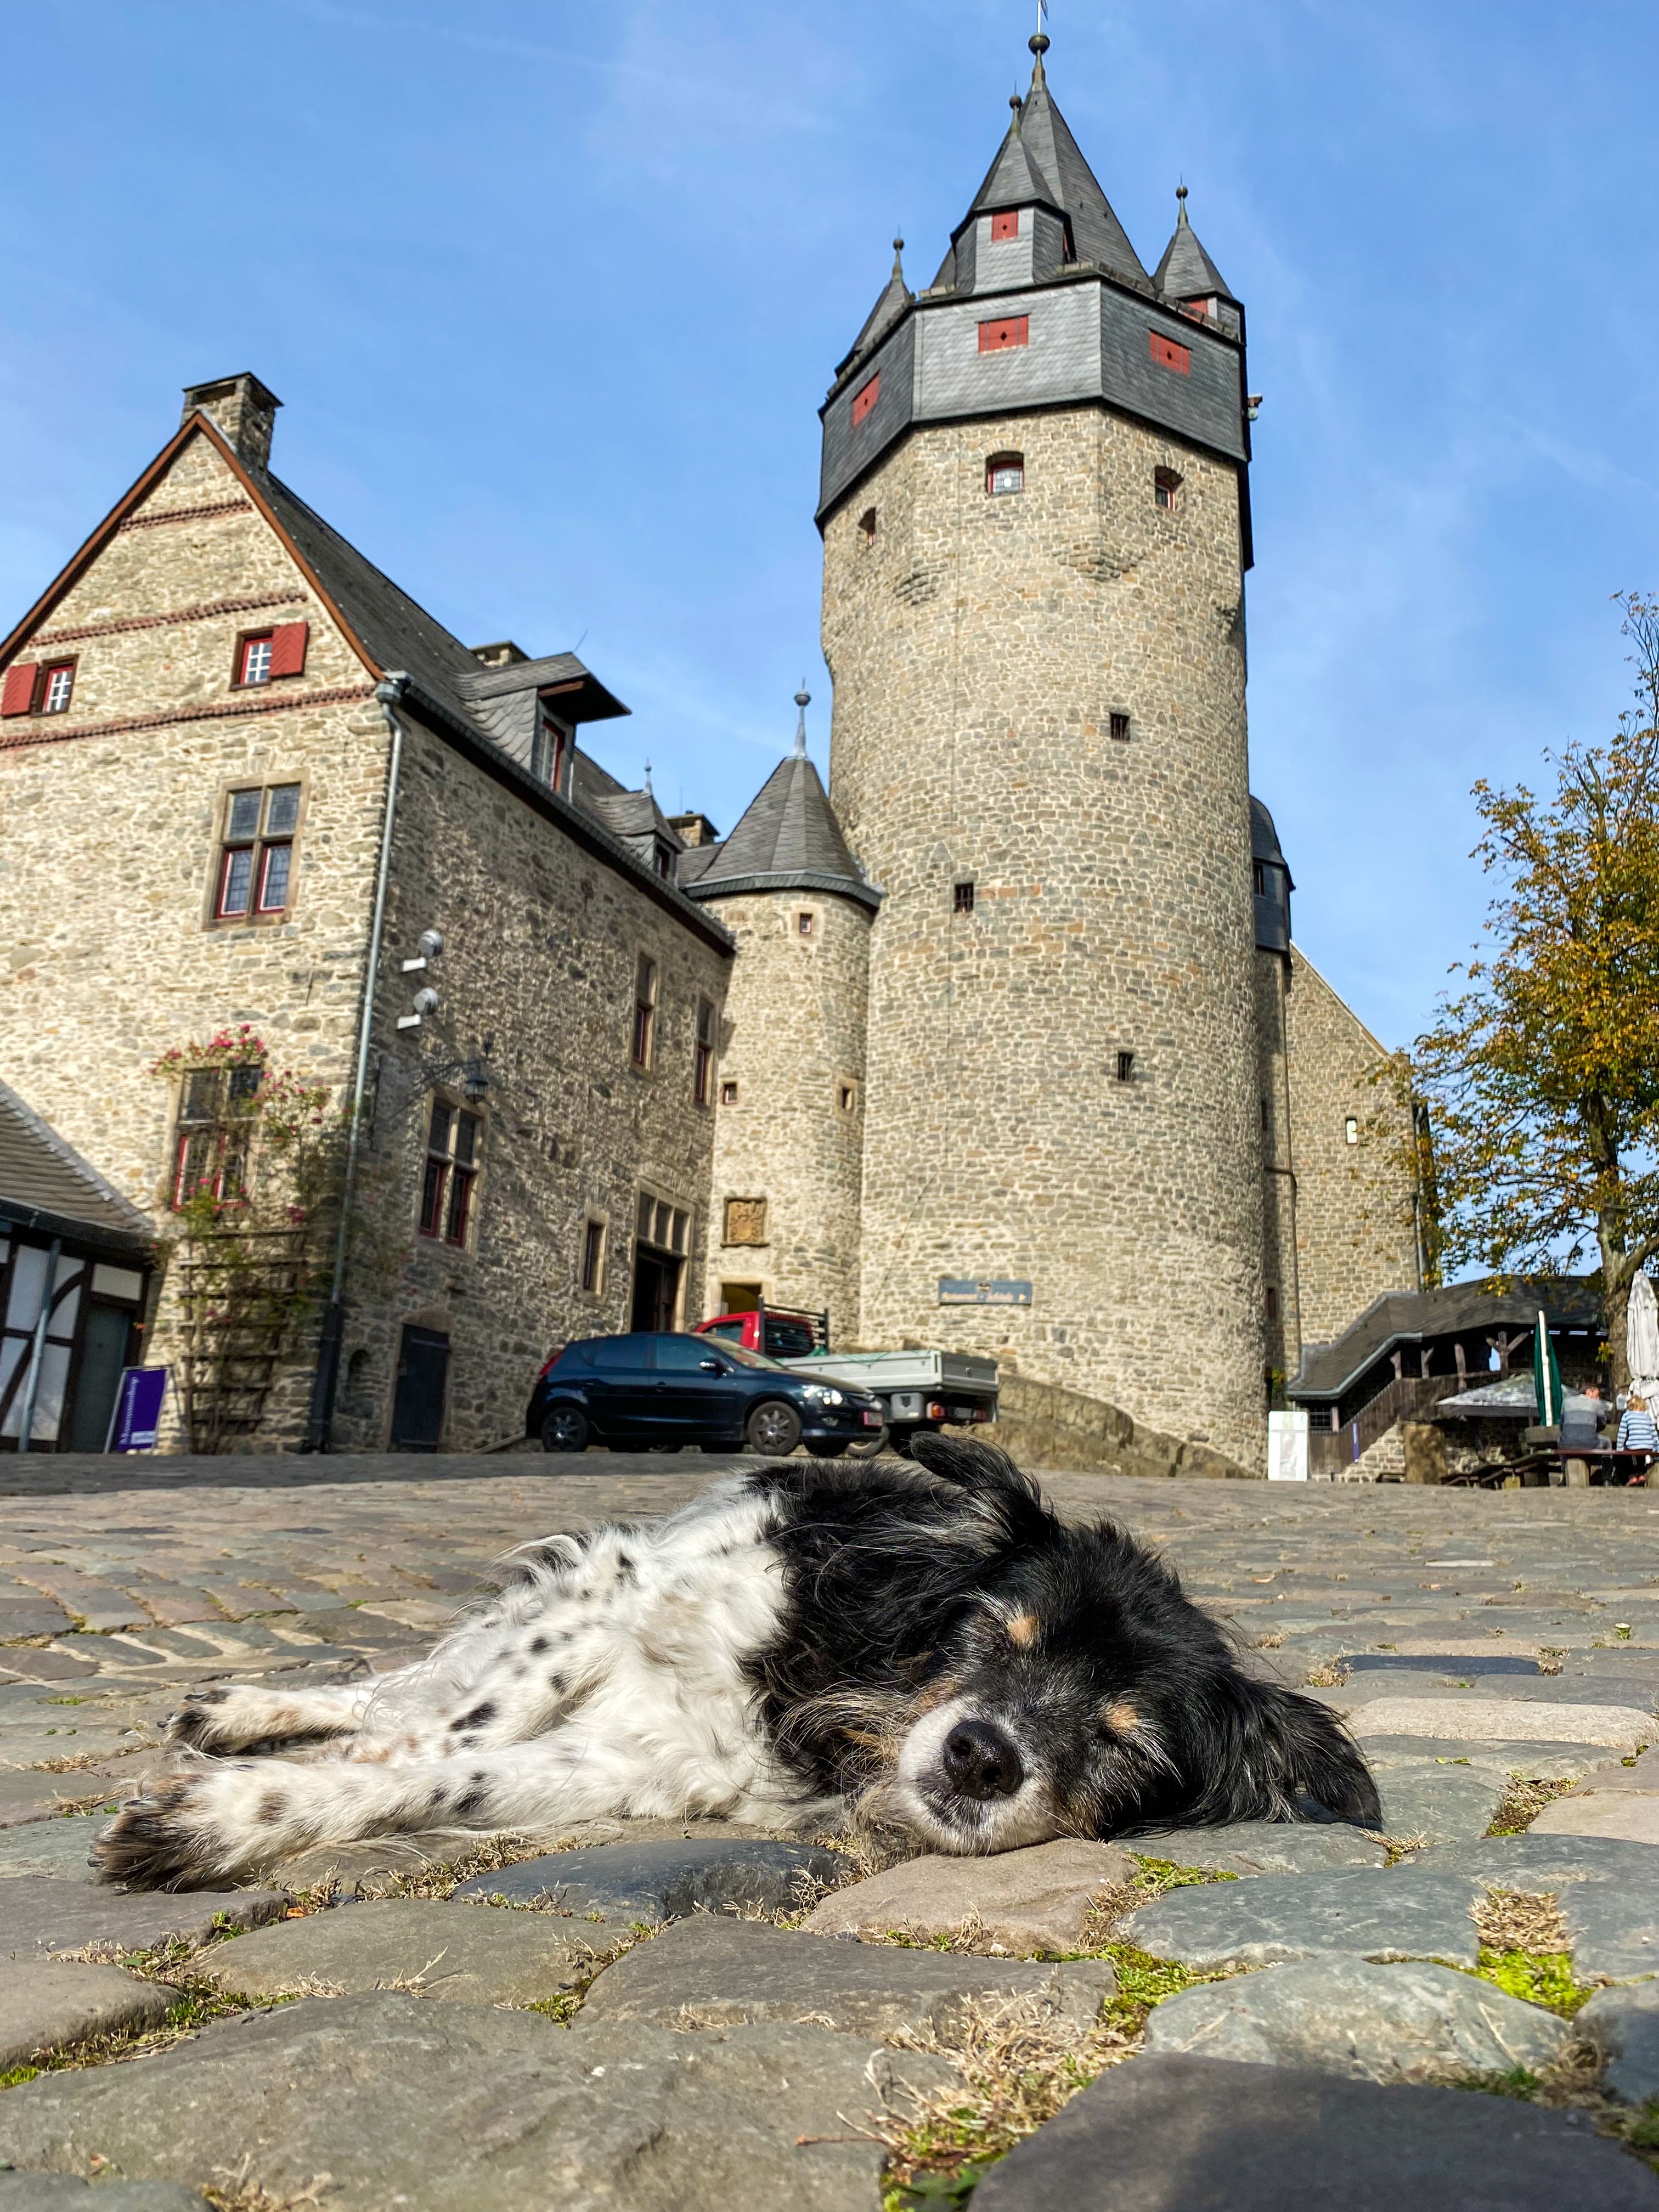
x=1636 y=1431
x=1581 y=1424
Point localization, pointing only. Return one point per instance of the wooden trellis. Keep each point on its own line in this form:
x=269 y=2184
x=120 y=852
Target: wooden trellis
x=240 y=1292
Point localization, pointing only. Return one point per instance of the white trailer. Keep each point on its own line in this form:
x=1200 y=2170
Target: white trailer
x=917 y=1389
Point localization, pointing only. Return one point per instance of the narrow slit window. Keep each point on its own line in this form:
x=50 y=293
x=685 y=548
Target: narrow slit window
x=1126 y=1067
x=1119 y=726
x=1166 y=489
x=728 y=1094
x=593 y=1256
x=867 y=528
x=1351 y=1129
x=1259 y=876
x=805 y=924
x=703 y=1059
x=961 y=898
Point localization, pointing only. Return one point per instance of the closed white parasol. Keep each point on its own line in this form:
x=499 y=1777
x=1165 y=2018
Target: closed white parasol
x=1641 y=1337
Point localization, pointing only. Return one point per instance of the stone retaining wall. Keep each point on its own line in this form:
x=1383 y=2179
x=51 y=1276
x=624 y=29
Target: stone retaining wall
x=1044 y=1425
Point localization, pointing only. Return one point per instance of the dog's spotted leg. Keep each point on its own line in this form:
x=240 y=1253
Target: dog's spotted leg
x=230 y=1716
x=192 y=1831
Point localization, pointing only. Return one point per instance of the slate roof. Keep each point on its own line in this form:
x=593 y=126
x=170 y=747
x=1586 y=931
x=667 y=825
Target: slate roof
x=634 y=814
x=44 y=1183
x=1187 y=273
x=1061 y=176
x=1407 y=1317
x=789 y=839
x=1264 y=840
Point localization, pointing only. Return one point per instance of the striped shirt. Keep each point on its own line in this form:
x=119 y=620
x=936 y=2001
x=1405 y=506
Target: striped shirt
x=1638 y=1432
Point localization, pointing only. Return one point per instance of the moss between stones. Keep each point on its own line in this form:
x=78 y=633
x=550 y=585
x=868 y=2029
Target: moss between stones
x=1539 y=1977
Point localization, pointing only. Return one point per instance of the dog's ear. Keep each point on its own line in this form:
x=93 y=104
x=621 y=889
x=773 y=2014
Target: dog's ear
x=994 y=1485
x=1280 y=1750
x=974 y=1467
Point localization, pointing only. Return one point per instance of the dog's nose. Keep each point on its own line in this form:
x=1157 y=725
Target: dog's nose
x=981 y=1761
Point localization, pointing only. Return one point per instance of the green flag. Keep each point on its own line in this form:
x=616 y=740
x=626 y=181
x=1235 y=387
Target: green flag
x=1546 y=1376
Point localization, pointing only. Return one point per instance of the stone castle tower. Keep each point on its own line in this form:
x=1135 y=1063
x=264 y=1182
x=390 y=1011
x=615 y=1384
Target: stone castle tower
x=790 y=1130
x=1036 y=524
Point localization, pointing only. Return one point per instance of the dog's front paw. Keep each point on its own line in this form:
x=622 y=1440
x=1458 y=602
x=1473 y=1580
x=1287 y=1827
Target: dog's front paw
x=166 y=1839
x=197 y=1726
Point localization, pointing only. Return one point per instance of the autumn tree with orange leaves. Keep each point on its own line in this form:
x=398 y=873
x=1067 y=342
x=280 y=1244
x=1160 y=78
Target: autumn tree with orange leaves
x=1541 y=1077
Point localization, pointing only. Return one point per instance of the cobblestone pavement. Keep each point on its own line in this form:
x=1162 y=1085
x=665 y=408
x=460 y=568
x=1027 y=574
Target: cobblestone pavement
x=1496 y=1655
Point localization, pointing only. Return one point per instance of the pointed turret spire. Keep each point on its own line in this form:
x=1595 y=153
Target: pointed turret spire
x=1187 y=273
x=788 y=838
x=803 y=700
x=896 y=297
x=1039 y=161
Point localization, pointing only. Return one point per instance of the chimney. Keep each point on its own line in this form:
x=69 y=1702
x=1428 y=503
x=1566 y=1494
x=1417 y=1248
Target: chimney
x=242 y=408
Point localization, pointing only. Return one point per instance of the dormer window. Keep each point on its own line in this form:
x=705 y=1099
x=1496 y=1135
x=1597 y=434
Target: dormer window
x=1005 y=226
x=865 y=399
x=547 y=751
x=662 y=858
x=1005 y=472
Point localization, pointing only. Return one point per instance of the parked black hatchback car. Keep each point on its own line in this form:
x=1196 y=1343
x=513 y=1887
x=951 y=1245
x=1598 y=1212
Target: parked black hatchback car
x=657 y=1392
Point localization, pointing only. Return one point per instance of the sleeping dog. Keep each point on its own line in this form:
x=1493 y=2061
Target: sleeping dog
x=927 y=1646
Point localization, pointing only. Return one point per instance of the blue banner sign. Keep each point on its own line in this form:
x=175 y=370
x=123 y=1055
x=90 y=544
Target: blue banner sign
x=138 y=1409
x=988 y=1291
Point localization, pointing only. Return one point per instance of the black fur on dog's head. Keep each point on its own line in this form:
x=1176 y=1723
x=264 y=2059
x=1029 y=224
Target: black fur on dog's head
x=989 y=1676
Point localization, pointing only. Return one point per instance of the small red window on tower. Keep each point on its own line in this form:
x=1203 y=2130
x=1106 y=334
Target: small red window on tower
x=1005 y=226
x=863 y=401
x=1170 y=353
x=1007 y=331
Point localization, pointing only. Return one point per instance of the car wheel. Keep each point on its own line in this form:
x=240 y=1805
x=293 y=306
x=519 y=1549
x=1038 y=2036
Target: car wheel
x=828 y=1448
x=774 y=1428
x=868 y=1446
x=565 y=1430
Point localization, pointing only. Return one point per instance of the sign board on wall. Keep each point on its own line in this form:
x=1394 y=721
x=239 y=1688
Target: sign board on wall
x=138 y=1413
x=984 y=1291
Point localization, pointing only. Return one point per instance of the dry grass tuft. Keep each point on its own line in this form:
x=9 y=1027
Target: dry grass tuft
x=1521 y=1920
x=1331 y=1674
x=440 y=1879
x=1017 y=2064
x=236 y=2191
x=1524 y=1800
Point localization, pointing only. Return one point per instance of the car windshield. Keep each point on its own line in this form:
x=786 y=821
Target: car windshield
x=745 y=1357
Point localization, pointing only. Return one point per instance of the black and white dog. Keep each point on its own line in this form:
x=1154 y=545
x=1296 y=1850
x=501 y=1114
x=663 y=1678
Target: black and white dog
x=928 y=1645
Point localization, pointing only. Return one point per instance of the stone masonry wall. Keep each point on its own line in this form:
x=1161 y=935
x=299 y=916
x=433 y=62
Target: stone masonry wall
x=541 y=943
x=793 y=1042
x=1354 y=1226
x=979 y=647
x=1282 y=1315
x=109 y=818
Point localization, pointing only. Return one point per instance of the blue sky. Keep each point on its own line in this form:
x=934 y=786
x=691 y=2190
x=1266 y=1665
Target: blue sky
x=552 y=294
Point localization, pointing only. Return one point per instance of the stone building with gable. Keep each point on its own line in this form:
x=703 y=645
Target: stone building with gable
x=1000 y=1042
x=242 y=777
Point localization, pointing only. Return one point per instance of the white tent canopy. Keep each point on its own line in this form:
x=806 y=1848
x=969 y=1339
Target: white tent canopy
x=1641 y=1337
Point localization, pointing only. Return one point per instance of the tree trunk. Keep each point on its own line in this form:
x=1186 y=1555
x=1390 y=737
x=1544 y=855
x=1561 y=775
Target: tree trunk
x=1618 y=1269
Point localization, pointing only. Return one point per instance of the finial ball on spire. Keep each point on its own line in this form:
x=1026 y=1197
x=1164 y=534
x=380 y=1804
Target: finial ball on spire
x=1180 y=191
x=1038 y=43
x=803 y=698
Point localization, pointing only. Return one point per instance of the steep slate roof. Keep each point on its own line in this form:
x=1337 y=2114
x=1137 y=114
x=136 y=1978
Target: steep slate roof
x=1403 y=1318
x=44 y=1183
x=1096 y=233
x=788 y=840
x=1014 y=179
x=1187 y=273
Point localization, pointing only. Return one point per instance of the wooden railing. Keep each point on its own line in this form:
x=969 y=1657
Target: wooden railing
x=1407 y=1398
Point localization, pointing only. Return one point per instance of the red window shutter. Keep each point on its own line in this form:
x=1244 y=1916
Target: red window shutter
x=865 y=399
x=19 y=694
x=288 y=648
x=1007 y=331
x=1005 y=226
x=1170 y=353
